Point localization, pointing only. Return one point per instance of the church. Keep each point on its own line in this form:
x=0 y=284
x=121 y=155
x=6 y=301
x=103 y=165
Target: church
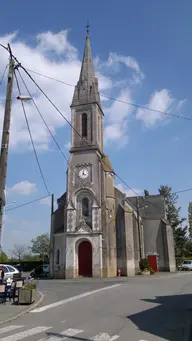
x=96 y=229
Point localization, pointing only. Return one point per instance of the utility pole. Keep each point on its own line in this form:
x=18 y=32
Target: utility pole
x=51 y=252
x=138 y=224
x=5 y=142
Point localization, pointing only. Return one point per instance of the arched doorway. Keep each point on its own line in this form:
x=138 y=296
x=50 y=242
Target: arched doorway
x=85 y=259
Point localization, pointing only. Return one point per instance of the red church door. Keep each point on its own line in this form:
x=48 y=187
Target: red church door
x=85 y=259
x=153 y=262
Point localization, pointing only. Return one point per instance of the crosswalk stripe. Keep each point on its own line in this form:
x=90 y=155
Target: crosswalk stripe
x=65 y=333
x=104 y=337
x=9 y=328
x=26 y=333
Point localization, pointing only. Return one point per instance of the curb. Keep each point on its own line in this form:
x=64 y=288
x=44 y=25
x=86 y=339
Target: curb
x=34 y=305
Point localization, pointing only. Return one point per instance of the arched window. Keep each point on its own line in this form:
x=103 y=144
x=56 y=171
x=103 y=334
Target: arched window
x=58 y=257
x=84 y=125
x=85 y=207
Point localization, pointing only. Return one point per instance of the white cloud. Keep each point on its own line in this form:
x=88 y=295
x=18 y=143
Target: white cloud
x=55 y=56
x=56 y=43
x=129 y=192
x=161 y=101
x=115 y=60
x=22 y=188
x=117 y=119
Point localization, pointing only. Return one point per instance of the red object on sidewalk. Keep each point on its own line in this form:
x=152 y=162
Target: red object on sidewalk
x=119 y=273
x=153 y=262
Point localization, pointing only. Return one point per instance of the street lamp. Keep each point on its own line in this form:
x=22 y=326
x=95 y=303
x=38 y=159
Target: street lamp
x=24 y=98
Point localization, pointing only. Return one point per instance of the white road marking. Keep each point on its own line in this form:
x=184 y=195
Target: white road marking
x=9 y=328
x=26 y=333
x=104 y=337
x=65 y=333
x=71 y=299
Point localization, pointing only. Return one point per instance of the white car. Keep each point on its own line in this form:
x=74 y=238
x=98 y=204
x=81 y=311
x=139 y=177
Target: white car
x=9 y=271
x=186 y=265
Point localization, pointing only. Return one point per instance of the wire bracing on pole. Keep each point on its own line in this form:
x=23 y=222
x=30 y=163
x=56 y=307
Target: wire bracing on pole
x=30 y=134
x=3 y=75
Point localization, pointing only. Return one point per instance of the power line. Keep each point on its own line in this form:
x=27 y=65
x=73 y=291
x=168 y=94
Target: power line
x=123 y=181
x=3 y=75
x=27 y=203
x=54 y=139
x=116 y=99
x=29 y=130
x=73 y=170
x=73 y=127
x=183 y=190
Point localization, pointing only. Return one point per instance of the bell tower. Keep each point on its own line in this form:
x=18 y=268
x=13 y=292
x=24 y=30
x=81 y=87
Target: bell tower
x=86 y=219
x=87 y=114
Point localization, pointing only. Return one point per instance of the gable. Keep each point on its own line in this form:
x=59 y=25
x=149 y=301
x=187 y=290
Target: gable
x=83 y=228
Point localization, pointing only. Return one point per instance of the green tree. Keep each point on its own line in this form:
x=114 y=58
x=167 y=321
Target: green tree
x=146 y=193
x=171 y=206
x=173 y=216
x=41 y=245
x=190 y=219
x=3 y=257
x=180 y=237
x=188 y=249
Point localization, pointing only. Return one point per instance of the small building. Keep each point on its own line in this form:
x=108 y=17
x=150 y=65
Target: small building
x=95 y=229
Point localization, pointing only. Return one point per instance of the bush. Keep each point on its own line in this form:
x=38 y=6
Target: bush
x=144 y=264
x=137 y=271
x=152 y=272
x=29 y=286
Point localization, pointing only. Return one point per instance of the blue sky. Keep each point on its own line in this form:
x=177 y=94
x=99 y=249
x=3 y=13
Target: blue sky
x=142 y=53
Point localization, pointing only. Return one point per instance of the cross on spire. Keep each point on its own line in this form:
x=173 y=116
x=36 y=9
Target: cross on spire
x=87 y=28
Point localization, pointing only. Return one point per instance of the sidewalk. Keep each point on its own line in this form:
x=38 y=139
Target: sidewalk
x=10 y=311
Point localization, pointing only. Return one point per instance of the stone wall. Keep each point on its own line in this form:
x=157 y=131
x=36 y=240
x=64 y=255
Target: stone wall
x=153 y=239
x=72 y=244
x=169 y=248
x=59 y=246
x=124 y=236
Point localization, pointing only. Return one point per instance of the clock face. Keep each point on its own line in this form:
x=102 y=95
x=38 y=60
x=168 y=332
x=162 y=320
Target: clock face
x=83 y=173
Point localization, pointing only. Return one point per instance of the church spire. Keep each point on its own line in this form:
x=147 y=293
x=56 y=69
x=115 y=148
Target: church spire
x=86 y=90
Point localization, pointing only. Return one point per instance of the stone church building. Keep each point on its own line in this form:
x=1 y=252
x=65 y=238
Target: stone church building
x=96 y=230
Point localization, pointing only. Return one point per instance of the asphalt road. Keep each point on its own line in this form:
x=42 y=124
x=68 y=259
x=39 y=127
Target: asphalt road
x=139 y=309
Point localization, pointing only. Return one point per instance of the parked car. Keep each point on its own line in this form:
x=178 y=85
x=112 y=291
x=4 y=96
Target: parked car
x=9 y=271
x=186 y=265
x=40 y=271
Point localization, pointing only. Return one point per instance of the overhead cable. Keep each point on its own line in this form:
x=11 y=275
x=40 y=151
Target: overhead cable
x=30 y=134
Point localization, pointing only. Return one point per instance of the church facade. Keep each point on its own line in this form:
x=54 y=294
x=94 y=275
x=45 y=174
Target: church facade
x=96 y=230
